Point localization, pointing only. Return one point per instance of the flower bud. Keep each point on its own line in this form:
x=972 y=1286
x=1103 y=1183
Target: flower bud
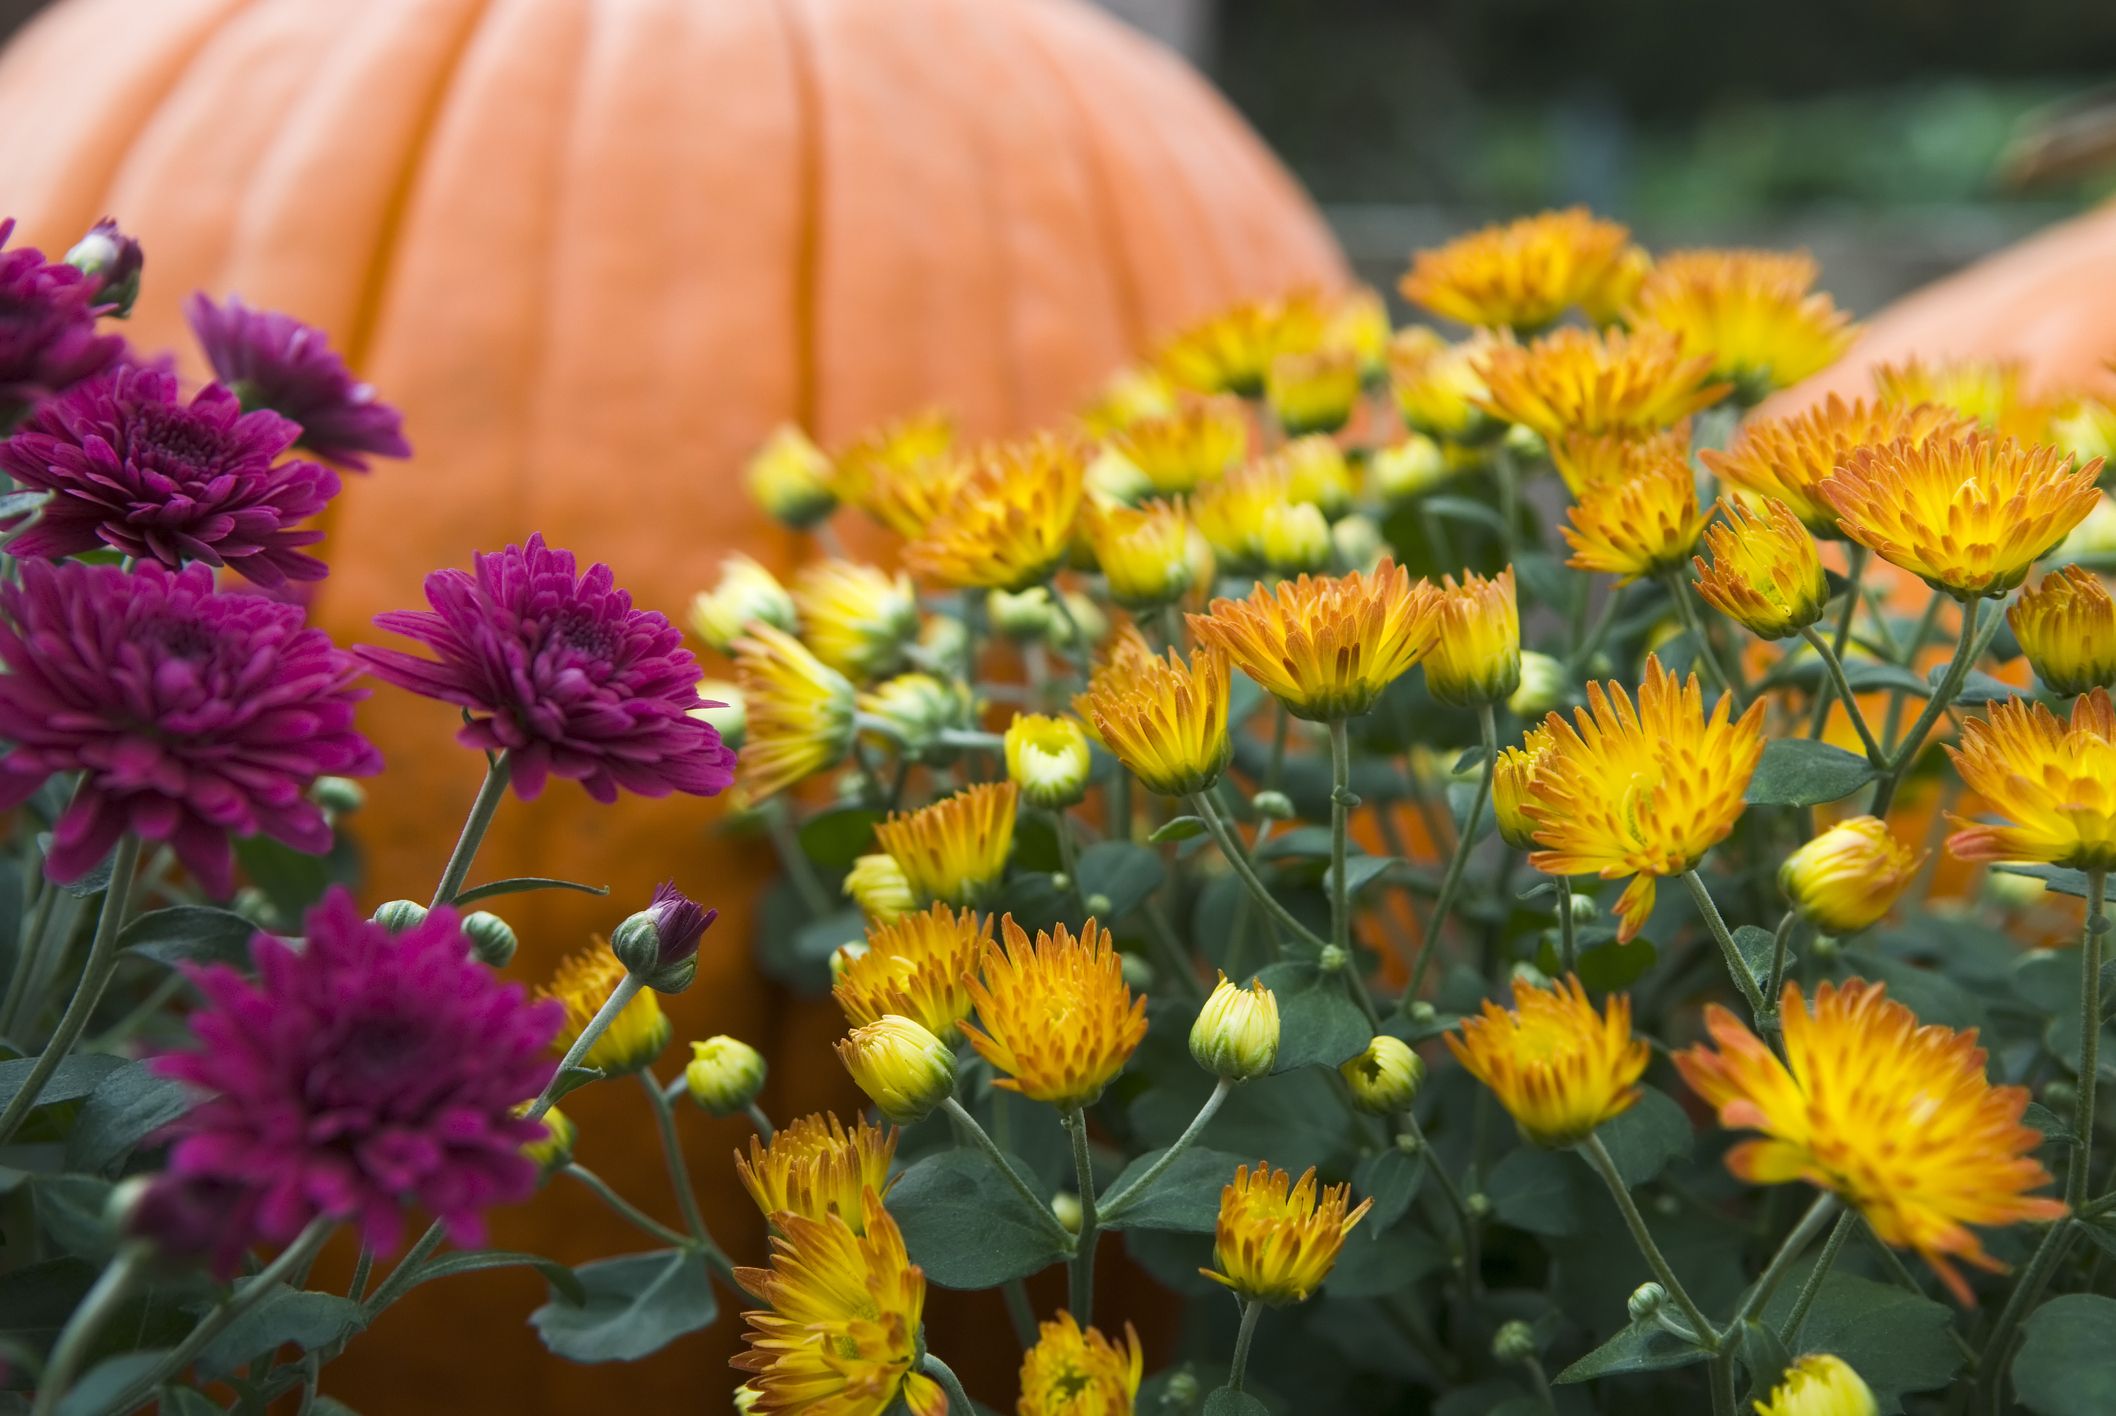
x=944 y=647
x=1023 y=617
x=746 y=593
x=2067 y=628
x=790 y=478
x=1584 y=909
x=1333 y=958
x=396 y=916
x=111 y=260
x=2014 y=891
x=1236 y=1032
x=1296 y=539
x=917 y=708
x=721 y=704
x=1512 y=785
x=1406 y=470
x=338 y=795
x=1765 y=574
x=1848 y=877
x=660 y=942
x=1646 y=1300
x=1515 y=1341
x=1477 y=657
x=1048 y=759
x=724 y=1075
x=1144 y=553
x=1181 y=1391
x=1313 y=392
x=1386 y=1077
x=1065 y=1208
x=1138 y=970
x=1113 y=475
x=1479 y=1205
x=1357 y=542
x=1272 y=806
x=556 y=1147
x=1087 y=615
x=1543 y=685
x=905 y=1070
x=877 y=884
x=491 y=938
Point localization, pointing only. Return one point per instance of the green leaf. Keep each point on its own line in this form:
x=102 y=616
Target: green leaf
x=37 y=1299
x=1361 y=871
x=1978 y=688
x=73 y=1213
x=306 y=1319
x=1897 y=1340
x=1933 y=996
x=1390 y=1179
x=636 y=1304
x=97 y=1392
x=966 y=1226
x=1319 y=1024
x=2059 y=878
x=1123 y=873
x=1184 y=1198
x=1644 y=1139
x=800 y=957
x=1764 y=1356
x=1542 y=1192
x=74 y=1078
x=1757 y=947
x=1546 y=582
x=1804 y=772
x=1645 y=1346
x=130 y=1105
x=290 y=880
x=188 y=1401
x=839 y=836
x=1378 y=1261
x=189 y=934
x=522 y=885
x=1229 y=1402
x=2053 y=1126
x=561 y=1278
x=1608 y=967
x=2067 y=1360
x=1178 y=828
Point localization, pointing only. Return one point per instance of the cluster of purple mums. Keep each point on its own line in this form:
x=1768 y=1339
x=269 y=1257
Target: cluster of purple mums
x=336 y=1083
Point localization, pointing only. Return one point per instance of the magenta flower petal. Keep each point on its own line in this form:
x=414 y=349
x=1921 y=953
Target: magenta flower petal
x=275 y=361
x=48 y=339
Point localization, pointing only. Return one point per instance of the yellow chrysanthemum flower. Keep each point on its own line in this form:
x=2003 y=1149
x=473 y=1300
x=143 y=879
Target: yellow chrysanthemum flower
x=1993 y=392
x=556 y=1146
x=877 y=884
x=856 y=618
x=1076 y=1372
x=1232 y=351
x=1234 y=514
x=790 y=477
x=724 y=1075
x=1513 y=786
x=915 y=967
x=1437 y=387
x=1056 y=1016
x=814 y=1167
x=1313 y=391
x=1898 y=1119
x=745 y=594
x=1754 y=312
x=906 y=1071
x=1966 y=515
x=1296 y=539
x=1788 y=458
x=1199 y=443
x=1477 y=658
x=1819 y=1385
x=2084 y=427
x=1327 y=647
x=1406 y=470
x=1578 y=381
x=1645 y=791
x=1558 y=1067
x=1165 y=720
x=1525 y=274
x=902 y=472
x=2067 y=628
x=839 y=1332
x=1276 y=1238
x=1646 y=524
x=1587 y=460
x=1847 y=878
x=1124 y=398
x=799 y=712
x=1384 y=1079
x=583 y=983
x=2052 y=782
x=1236 y=1032
x=955 y=849
x=1010 y=523
x=1047 y=757
x=1146 y=554
x=1359 y=321
x=1765 y=573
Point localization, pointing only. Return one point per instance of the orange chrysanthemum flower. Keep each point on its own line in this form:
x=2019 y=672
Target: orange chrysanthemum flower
x=1179 y=452
x=1788 y=458
x=1327 y=647
x=800 y=712
x=1525 y=274
x=1642 y=792
x=1587 y=460
x=955 y=849
x=2052 y=782
x=1073 y=1371
x=1438 y=389
x=1765 y=574
x=839 y=1332
x=1232 y=351
x=1513 y=785
x=1165 y=720
x=1148 y=554
x=2067 y=628
x=1898 y=1119
x=1477 y=658
x=814 y=1167
x=901 y=473
x=1578 y=381
x=1558 y=1067
x=1755 y=313
x=915 y=966
x=1966 y=515
x=1055 y=1016
x=1277 y=1238
x=1010 y=523
x=1646 y=524
x=1993 y=392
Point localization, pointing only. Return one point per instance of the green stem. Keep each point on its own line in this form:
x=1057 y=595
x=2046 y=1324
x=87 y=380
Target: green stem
x=982 y=1139
x=406 y=1273
x=958 y=1399
x=96 y=972
x=1568 y=942
x=1736 y=966
x=1113 y=1204
x=1341 y=803
x=1966 y=650
x=1069 y=858
x=1812 y=1287
x=1874 y=752
x=624 y=1208
x=1231 y=847
x=1997 y=1348
x=29 y=937
x=1591 y=645
x=1597 y=1155
x=1779 y=942
x=627 y=989
x=2091 y=948
x=1020 y=1312
x=490 y=791
x=1452 y=882
x=793 y=860
x=1707 y=652
x=1238 y=1366
x=1541 y=1381
x=672 y=1154
x=1082 y=1290
x=1079 y=650
x=1855 y=564
x=762 y=1122
x=1472 y=1275
x=95 y=1310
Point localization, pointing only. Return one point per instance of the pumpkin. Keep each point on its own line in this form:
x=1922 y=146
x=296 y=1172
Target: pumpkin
x=596 y=250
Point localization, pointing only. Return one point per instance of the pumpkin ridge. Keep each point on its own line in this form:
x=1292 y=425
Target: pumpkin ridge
x=972 y=16
x=808 y=201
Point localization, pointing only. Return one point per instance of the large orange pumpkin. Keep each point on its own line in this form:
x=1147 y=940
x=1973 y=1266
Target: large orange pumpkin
x=595 y=249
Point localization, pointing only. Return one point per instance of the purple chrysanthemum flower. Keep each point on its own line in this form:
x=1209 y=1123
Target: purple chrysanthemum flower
x=560 y=673
x=192 y=715
x=275 y=361
x=360 y=1075
x=48 y=339
x=129 y=465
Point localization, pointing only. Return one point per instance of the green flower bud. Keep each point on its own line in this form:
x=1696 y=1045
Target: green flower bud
x=1385 y=1078
x=491 y=938
x=1333 y=958
x=1022 y=617
x=338 y=795
x=1584 y=909
x=1272 y=806
x=1515 y=1341
x=1065 y=1205
x=1236 y=1032
x=1542 y=688
x=905 y=1070
x=724 y=1075
x=1646 y=1300
x=396 y=916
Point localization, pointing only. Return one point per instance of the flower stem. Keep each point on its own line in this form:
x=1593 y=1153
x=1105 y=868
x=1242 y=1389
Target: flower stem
x=958 y=1399
x=1472 y=1275
x=1693 y=624
x=1080 y=651
x=679 y=1172
x=1966 y=649
x=1568 y=942
x=1874 y=752
x=101 y=963
x=793 y=860
x=622 y=1207
x=1082 y=1291
x=475 y=825
x=1812 y=1288
x=1782 y=937
x=1238 y=1366
x=2091 y=948
x=1855 y=563
x=1597 y=1155
x=1231 y=846
x=1112 y=1205
x=627 y=989
x=1737 y=967
x=982 y=1139
x=1452 y=881
x=1997 y=1348
x=762 y=1122
x=97 y=1307
x=1341 y=801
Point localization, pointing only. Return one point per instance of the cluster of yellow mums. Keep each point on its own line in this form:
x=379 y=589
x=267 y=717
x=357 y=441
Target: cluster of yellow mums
x=1255 y=445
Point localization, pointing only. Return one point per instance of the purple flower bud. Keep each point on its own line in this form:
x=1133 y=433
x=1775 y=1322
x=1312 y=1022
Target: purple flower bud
x=48 y=341
x=660 y=942
x=111 y=261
